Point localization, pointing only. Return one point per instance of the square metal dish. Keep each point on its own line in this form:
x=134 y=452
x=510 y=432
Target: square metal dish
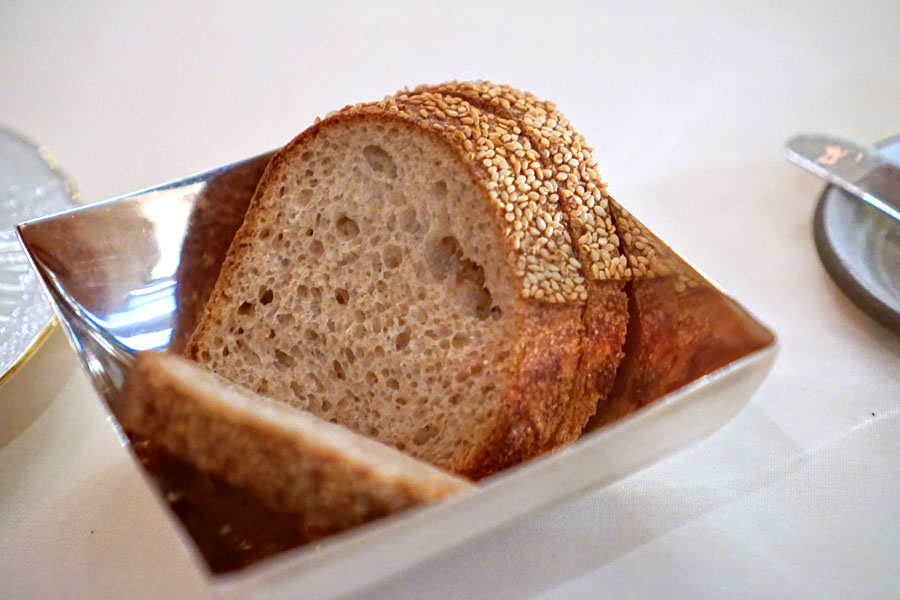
x=128 y=274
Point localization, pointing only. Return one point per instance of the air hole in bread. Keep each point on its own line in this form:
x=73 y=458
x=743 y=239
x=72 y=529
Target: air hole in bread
x=346 y=227
x=422 y=435
x=341 y=295
x=338 y=369
x=380 y=161
x=439 y=189
x=316 y=248
x=393 y=256
x=402 y=340
x=444 y=256
x=245 y=309
x=408 y=220
x=446 y=260
x=284 y=360
x=266 y=296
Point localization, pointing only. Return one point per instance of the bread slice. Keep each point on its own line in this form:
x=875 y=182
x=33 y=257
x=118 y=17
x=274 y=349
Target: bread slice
x=680 y=326
x=436 y=271
x=322 y=476
x=564 y=153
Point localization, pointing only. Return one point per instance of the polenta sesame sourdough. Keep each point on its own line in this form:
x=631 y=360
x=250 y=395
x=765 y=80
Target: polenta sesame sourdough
x=439 y=271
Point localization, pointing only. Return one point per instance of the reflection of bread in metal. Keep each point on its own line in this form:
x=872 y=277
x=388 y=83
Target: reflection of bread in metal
x=231 y=527
x=680 y=327
x=99 y=260
x=218 y=212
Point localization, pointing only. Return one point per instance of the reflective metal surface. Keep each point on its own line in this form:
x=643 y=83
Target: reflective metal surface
x=30 y=186
x=133 y=273
x=860 y=247
x=130 y=273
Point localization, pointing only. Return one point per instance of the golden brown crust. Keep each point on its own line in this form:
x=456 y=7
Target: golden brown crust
x=538 y=399
x=680 y=329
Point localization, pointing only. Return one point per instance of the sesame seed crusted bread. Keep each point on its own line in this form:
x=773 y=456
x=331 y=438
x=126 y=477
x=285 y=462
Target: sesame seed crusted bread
x=562 y=154
x=436 y=270
x=323 y=477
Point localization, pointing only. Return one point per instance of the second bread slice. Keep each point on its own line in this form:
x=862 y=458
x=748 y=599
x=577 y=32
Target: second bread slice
x=322 y=476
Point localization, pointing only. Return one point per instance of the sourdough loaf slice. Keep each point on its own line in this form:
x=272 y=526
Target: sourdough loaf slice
x=422 y=270
x=322 y=476
x=563 y=153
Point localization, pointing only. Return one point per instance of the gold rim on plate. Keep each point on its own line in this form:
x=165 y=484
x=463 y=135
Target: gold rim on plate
x=43 y=334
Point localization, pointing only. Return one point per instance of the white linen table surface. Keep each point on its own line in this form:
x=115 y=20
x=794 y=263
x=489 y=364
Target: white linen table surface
x=687 y=106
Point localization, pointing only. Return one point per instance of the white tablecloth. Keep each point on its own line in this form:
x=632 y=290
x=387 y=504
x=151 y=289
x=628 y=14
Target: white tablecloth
x=687 y=106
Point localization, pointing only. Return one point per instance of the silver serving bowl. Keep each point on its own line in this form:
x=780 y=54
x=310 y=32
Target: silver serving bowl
x=130 y=273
